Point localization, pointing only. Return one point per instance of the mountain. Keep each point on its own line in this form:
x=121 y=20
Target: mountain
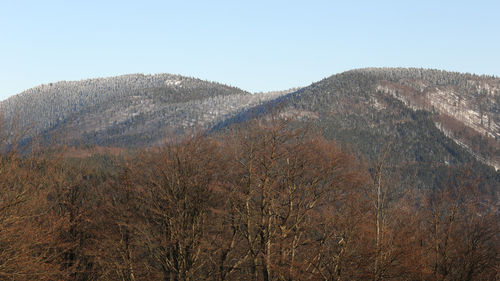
x=465 y=107
x=128 y=110
x=424 y=115
x=427 y=120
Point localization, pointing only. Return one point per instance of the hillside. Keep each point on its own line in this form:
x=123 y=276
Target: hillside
x=128 y=110
x=465 y=107
x=430 y=118
x=427 y=120
x=415 y=110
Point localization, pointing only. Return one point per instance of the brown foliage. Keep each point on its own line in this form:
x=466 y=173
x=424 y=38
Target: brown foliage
x=265 y=203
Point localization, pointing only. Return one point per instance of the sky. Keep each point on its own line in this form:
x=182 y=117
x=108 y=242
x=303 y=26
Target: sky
x=254 y=45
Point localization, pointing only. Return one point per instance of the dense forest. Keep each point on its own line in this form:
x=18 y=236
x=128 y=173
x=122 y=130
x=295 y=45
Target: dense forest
x=271 y=201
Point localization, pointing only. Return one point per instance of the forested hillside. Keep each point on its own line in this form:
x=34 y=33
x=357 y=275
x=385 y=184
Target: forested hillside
x=426 y=115
x=426 y=120
x=367 y=101
x=128 y=110
x=372 y=174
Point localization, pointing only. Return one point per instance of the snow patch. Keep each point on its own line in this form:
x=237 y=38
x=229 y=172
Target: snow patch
x=173 y=82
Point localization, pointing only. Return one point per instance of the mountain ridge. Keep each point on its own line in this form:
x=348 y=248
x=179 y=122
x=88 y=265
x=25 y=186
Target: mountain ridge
x=437 y=92
x=88 y=108
x=138 y=109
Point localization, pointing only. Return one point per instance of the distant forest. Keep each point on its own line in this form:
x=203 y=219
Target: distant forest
x=264 y=202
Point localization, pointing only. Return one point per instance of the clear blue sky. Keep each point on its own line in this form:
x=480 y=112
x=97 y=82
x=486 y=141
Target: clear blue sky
x=254 y=45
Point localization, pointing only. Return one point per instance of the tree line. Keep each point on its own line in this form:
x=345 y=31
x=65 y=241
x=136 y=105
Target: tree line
x=268 y=202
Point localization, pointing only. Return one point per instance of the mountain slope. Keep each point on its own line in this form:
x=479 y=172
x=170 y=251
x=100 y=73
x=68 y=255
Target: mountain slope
x=465 y=107
x=411 y=113
x=413 y=110
x=424 y=116
x=128 y=110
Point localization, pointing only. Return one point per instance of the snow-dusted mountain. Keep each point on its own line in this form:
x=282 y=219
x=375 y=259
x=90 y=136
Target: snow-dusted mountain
x=424 y=115
x=465 y=107
x=428 y=116
x=126 y=110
